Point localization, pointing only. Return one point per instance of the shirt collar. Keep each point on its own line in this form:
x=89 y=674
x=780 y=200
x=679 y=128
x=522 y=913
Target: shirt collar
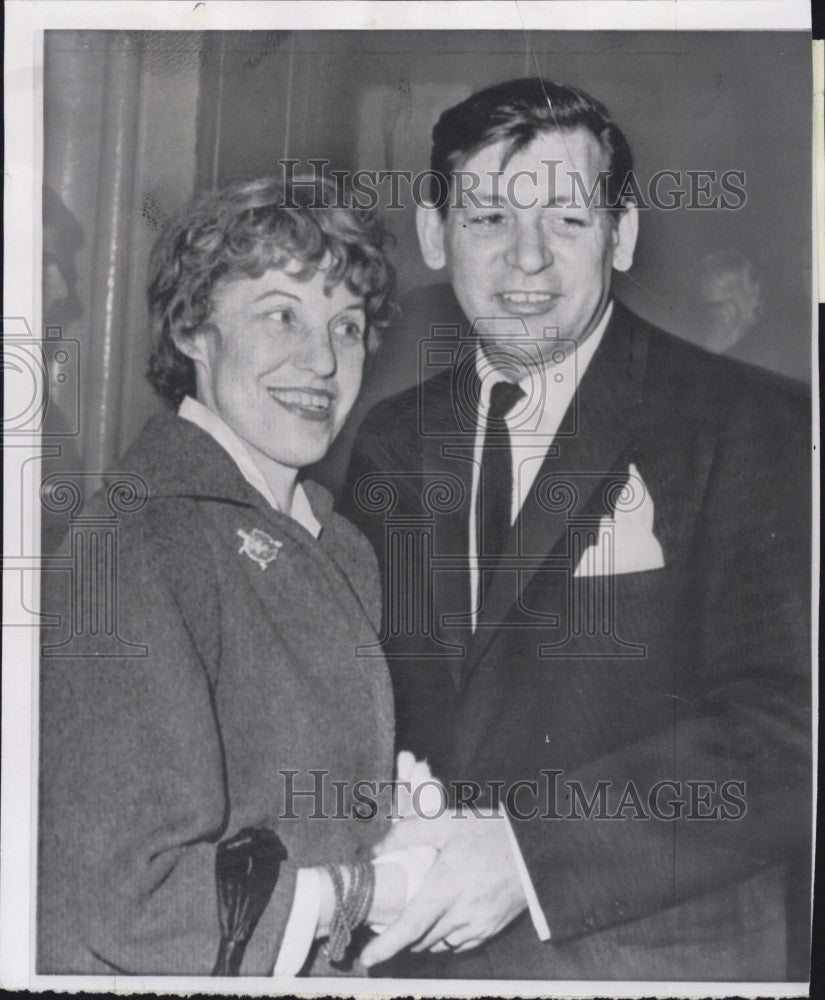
x=195 y=412
x=574 y=363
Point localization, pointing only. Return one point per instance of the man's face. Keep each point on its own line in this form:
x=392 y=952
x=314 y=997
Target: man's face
x=534 y=261
x=728 y=304
x=280 y=361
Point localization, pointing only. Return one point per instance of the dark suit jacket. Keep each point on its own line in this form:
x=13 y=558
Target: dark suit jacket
x=695 y=672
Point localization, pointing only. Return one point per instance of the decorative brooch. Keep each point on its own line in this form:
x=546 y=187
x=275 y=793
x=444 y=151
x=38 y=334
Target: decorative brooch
x=259 y=546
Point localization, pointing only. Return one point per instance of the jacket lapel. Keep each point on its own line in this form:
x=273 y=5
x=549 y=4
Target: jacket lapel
x=596 y=429
x=449 y=409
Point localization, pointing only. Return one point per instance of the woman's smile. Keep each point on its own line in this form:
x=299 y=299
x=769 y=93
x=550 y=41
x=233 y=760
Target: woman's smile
x=280 y=362
x=306 y=402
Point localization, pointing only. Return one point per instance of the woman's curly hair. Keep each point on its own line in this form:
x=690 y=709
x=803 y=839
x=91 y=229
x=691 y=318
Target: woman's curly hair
x=244 y=229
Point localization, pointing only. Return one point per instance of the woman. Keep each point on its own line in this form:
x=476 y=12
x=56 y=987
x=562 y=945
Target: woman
x=244 y=704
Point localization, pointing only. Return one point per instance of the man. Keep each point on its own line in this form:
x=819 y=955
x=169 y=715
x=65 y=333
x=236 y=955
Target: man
x=595 y=549
x=729 y=298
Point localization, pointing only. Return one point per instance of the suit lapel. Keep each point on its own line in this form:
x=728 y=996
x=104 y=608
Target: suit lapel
x=596 y=429
x=447 y=412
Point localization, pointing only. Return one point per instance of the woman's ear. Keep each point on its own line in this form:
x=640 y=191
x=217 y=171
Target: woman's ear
x=196 y=344
x=624 y=238
x=200 y=345
x=430 y=228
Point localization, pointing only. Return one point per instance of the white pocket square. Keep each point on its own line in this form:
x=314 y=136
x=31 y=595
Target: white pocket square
x=625 y=543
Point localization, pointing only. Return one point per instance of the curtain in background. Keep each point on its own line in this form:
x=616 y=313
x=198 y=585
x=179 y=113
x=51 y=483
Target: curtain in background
x=120 y=113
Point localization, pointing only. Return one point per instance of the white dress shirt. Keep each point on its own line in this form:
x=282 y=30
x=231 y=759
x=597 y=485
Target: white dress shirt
x=533 y=424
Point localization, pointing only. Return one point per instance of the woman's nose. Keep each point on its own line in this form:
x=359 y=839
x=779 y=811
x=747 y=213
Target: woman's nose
x=529 y=250
x=317 y=353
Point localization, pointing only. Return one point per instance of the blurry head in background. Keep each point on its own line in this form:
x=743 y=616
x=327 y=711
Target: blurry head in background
x=537 y=218
x=62 y=239
x=265 y=298
x=729 y=299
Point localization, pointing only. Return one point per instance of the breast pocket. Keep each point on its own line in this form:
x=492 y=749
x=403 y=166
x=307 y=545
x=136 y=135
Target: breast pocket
x=616 y=615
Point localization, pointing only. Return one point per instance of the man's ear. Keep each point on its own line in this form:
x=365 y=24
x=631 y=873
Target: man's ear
x=430 y=227
x=624 y=238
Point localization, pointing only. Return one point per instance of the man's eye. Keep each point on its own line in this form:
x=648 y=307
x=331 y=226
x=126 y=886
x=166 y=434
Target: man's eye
x=566 y=223
x=489 y=220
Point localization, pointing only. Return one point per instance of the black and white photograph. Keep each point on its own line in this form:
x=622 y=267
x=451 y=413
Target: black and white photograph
x=411 y=534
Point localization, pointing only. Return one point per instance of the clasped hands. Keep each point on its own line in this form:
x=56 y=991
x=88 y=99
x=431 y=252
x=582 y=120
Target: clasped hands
x=471 y=891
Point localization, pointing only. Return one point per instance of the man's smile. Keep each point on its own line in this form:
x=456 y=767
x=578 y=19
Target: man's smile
x=527 y=303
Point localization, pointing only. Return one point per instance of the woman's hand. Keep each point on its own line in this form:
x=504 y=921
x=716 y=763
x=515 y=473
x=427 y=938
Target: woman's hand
x=327 y=903
x=390 y=894
x=388 y=900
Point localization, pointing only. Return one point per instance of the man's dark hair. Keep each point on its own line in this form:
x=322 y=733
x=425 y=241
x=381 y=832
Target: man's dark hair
x=517 y=112
x=243 y=230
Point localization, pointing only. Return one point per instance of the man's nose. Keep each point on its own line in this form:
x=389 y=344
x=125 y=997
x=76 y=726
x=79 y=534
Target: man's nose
x=317 y=353
x=529 y=250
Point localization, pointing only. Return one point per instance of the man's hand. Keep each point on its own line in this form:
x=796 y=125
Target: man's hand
x=471 y=892
x=390 y=894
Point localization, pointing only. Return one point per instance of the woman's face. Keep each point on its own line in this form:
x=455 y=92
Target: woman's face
x=280 y=361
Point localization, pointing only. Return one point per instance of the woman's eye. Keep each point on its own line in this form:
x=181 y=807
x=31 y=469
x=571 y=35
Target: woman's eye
x=351 y=329
x=284 y=315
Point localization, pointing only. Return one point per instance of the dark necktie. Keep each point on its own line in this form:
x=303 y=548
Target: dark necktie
x=494 y=502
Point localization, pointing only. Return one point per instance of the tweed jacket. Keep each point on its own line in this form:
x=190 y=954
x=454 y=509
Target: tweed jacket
x=696 y=668
x=228 y=672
